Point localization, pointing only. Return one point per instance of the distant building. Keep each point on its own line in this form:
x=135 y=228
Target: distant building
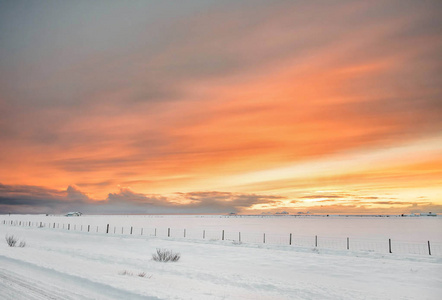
x=73 y=214
x=430 y=214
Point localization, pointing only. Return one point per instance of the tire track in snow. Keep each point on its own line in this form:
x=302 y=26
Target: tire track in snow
x=14 y=287
x=29 y=281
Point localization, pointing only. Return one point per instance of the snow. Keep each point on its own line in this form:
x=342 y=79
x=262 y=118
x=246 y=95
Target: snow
x=416 y=229
x=62 y=264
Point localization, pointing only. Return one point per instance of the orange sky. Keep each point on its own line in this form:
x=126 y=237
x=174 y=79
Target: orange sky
x=327 y=107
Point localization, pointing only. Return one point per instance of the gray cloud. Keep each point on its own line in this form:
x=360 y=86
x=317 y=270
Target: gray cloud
x=32 y=199
x=126 y=196
x=227 y=202
x=35 y=199
x=195 y=202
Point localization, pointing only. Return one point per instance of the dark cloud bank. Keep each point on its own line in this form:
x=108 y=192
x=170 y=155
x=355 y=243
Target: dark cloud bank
x=19 y=199
x=34 y=199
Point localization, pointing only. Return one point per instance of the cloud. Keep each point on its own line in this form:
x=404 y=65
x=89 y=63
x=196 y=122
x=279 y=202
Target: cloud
x=368 y=208
x=75 y=195
x=35 y=199
x=127 y=196
x=85 y=164
x=32 y=199
x=206 y=91
x=424 y=208
x=317 y=196
x=194 y=202
x=227 y=202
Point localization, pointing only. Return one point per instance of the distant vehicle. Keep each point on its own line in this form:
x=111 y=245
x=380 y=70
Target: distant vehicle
x=73 y=214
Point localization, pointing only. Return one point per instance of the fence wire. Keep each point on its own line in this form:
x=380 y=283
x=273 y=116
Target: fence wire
x=335 y=243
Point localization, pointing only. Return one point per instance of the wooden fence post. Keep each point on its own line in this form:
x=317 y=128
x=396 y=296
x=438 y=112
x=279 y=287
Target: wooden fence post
x=290 y=241
x=348 y=243
x=429 y=249
x=204 y=234
x=316 y=241
x=184 y=232
x=223 y=235
x=239 y=237
x=131 y=228
x=389 y=245
x=107 y=229
x=88 y=228
x=168 y=232
x=264 y=239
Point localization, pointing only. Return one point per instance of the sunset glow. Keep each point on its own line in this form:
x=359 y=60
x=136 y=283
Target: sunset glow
x=217 y=107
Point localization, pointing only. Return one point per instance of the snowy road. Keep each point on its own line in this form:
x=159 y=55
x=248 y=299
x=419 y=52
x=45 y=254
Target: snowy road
x=12 y=286
x=31 y=282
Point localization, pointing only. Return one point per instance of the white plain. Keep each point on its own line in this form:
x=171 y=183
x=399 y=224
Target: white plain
x=79 y=265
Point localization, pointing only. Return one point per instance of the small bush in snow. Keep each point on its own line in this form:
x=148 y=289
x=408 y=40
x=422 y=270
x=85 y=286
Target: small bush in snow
x=126 y=273
x=142 y=274
x=11 y=240
x=164 y=255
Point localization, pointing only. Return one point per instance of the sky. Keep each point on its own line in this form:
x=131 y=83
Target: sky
x=220 y=106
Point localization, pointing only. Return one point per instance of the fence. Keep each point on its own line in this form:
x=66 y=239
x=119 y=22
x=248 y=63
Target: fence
x=336 y=243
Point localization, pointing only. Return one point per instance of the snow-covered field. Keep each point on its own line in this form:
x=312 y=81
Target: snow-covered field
x=399 y=228
x=403 y=235
x=57 y=263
